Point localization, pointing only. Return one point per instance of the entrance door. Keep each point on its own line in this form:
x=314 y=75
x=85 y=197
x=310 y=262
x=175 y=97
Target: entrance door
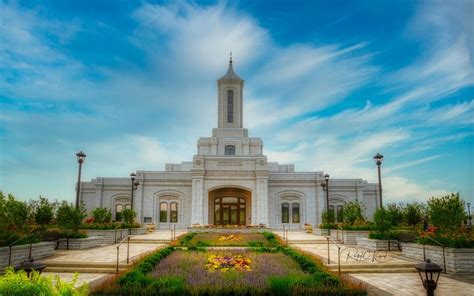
x=229 y=211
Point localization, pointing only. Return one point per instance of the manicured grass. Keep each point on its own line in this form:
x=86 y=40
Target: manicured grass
x=229 y=239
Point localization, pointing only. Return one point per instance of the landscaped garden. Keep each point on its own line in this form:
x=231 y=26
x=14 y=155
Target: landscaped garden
x=195 y=268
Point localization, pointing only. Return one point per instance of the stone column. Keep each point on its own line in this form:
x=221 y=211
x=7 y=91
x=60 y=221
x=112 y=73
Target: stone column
x=262 y=200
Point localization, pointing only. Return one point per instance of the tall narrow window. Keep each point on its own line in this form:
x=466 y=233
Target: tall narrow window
x=295 y=212
x=163 y=212
x=230 y=106
x=285 y=213
x=229 y=150
x=339 y=213
x=173 y=212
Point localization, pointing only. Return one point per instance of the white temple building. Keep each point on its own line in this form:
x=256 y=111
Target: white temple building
x=229 y=181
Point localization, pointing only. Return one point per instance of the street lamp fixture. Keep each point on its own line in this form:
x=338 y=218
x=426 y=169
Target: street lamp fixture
x=81 y=156
x=378 y=158
x=134 y=186
x=428 y=271
x=326 y=187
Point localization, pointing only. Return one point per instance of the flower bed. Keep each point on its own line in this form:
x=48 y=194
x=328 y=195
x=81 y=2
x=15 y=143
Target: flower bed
x=284 y=271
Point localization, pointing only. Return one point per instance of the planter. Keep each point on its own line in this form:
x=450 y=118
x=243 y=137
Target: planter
x=150 y=227
x=80 y=243
x=373 y=244
x=349 y=237
x=458 y=260
x=21 y=253
x=308 y=228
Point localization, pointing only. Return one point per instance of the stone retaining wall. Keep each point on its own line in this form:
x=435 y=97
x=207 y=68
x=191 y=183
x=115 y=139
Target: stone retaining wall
x=21 y=253
x=80 y=243
x=112 y=236
x=349 y=237
x=321 y=232
x=373 y=244
x=138 y=231
x=457 y=260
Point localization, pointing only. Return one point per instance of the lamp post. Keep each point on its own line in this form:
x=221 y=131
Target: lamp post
x=134 y=186
x=81 y=156
x=426 y=270
x=469 y=213
x=378 y=161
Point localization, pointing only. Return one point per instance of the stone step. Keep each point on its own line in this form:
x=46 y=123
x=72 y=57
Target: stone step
x=373 y=266
x=82 y=269
x=80 y=264
x=307 y=241
x=150 y=241
x=372 y=270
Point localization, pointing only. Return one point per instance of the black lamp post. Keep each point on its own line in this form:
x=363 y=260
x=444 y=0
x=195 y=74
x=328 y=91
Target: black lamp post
x=378 y=161
x=469 y=217
x=134 y=186
x=428 y=271
x=81 y=156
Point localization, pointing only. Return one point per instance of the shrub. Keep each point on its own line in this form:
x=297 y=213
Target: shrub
x=394 y=214
x=14 y=214
x=18 y=283
x=102 y=215
x=352 y=213
x=44 y=212
x=413 y=213
x=446 y=213
x=459 y=241
x=327 y=217
x=381 y=220
x=129 y=216
x=70 y=217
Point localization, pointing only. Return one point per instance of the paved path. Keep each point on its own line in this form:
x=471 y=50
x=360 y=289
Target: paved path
x=408 y=284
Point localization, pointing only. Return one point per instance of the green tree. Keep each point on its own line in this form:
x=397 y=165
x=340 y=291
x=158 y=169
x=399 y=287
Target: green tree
x=129 y=216
x=446 y=213
x=352 y=213
x=14 y=214
x=413 y=213
x=381 y=220
x=70 y=217
x=102 y=215
x=394 y=214
x=44 y=212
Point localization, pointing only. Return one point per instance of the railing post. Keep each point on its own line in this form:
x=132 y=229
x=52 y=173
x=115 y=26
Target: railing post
x=339 y=260
x=388 y=245
x=329 y=261
x=287 y=236
x=116 y=270
x=424 y=253
x=128 y=248
x=444 y=261
x=115 y=235
x=10 y=256
x=31 y=247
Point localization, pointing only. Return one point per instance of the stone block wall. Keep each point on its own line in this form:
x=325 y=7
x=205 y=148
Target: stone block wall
x=81 y=243
x=112 y=236
x=349 y=237
x=21 y=253
x=373 y=244
x=457 y=260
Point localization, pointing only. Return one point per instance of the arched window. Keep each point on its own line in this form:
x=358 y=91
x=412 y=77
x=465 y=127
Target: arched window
x=128 y=206
x=285 y=213
x=163 y=212
x=295 y=212
x=229 y=150
x=173 y=212
x=230 y=106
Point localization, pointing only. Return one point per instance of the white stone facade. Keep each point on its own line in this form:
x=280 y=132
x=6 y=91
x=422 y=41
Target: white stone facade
x=229 y=160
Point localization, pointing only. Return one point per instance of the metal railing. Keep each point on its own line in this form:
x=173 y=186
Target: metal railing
x=441 y=245
x=338 y=254
x=337 y=233
x=10 y=248
x=118 y=251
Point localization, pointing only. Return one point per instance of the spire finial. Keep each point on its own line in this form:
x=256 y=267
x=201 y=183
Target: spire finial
x=230 y=59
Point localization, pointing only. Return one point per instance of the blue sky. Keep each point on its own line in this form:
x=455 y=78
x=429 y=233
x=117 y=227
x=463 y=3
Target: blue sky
x=328 y=85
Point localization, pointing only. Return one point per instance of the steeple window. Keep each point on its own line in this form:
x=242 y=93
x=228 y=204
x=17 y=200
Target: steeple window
x=230 y=106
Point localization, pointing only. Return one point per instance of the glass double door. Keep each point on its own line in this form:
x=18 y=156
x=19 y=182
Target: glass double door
x=229 y=211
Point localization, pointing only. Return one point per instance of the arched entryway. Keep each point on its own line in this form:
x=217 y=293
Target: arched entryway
x=230 y=206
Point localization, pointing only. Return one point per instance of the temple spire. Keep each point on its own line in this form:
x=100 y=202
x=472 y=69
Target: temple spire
x=230 y=75
x=230 y=59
